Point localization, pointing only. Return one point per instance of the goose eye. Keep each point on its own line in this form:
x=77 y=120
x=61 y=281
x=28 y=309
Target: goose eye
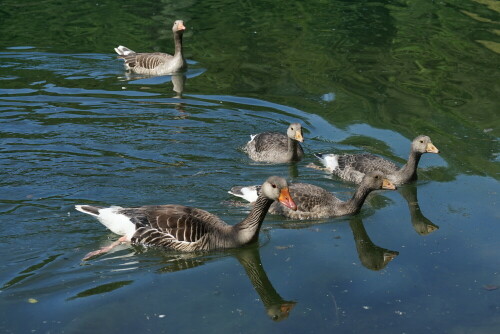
x=291 y=128
x=273 y=185
x=421 y=142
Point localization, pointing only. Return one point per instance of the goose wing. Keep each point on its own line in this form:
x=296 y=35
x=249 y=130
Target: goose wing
x=270 y=141
x=146 y=60
x=365 y=163
x=309 y=197
x=174 y=226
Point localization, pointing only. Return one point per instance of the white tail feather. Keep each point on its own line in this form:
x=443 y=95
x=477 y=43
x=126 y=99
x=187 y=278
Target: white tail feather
x=247 y=193
x=116 y=222
x=79 y=208
x=123 y=51
x=330 y=161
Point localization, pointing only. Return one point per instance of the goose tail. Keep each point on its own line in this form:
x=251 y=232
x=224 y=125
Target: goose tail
x=249 y=193
x=112 y=218
x=124 y=51
x=330 y=161
x=90 y=210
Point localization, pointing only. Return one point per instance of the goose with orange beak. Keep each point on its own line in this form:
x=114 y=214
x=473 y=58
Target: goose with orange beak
x=188 y=229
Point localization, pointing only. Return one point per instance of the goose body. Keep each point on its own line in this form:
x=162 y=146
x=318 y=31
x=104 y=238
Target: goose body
x=353 y=167
x=156 y=63
x=276 y=147
x=314 y=202
x=185 y=228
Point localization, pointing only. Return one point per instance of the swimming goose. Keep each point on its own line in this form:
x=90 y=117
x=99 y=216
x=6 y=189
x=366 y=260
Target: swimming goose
x=276 y=147
x=314 y=202
x=352 y=167
x=156 y=63
x=185 y=228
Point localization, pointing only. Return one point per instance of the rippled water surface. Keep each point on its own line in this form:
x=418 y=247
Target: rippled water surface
x=75 y=128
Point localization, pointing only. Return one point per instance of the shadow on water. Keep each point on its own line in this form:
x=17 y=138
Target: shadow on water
x=104 y=288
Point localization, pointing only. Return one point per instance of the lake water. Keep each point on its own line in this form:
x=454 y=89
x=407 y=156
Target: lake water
x=359 y=76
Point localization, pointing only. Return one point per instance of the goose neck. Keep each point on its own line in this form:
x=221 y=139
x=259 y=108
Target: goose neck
x=354 y=204
x=292 y=148
x=178 y=43
x=248 y=230
x=409 y=170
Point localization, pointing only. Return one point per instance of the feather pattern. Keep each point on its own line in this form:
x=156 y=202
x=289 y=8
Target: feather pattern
x=156 y=63
x=185 y=228
x=276 y=147
x=353 y=167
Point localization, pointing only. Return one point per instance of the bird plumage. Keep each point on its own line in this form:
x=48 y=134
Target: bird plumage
x=156 y=63
x=353 y=167
x=186 y=228
x=277 y=147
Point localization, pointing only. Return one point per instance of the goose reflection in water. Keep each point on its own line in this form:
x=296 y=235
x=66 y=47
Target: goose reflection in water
x=421 y=224
x=276 y=307
x=178 y=82
x=371 y=256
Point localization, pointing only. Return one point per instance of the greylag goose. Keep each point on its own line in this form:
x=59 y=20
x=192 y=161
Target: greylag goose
x=276 y=147
x=156 y=63
x=352 y=167
x=314 y=202
x=185 y=228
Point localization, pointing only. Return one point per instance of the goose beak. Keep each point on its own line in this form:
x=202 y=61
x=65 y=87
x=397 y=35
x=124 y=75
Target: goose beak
x=286 y=199
x=388 y=257
x=181 y=27
x=431 y=148
x=299 y=137
x=386 y=184
x=286 y=308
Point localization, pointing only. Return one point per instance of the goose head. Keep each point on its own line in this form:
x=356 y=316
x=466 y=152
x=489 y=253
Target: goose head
x=295 y=132
x=276 y=188
x=280 y=311
x=377 y=180
x=423 y=144
x=178 y=27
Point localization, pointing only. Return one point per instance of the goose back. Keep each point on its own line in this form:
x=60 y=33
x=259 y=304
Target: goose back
x=353 y=167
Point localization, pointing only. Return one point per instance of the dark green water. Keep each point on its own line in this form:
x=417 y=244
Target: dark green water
x=359 y=76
